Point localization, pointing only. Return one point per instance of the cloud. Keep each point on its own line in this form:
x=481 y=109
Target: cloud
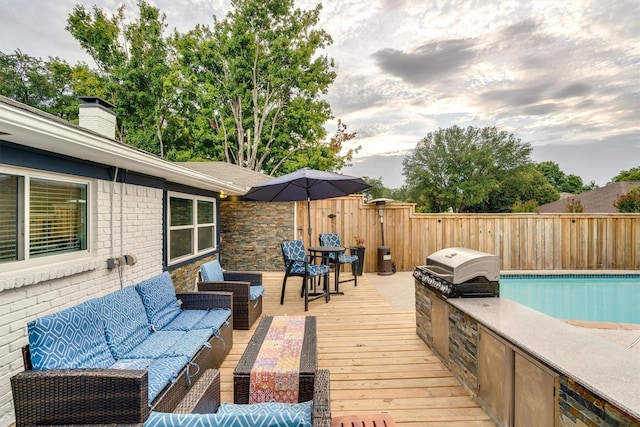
x=428 y=62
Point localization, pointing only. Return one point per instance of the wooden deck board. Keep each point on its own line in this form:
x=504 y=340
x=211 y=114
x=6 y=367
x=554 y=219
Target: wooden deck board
x=377 y=362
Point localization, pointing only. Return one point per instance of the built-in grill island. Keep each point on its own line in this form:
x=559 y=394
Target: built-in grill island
x=460 y=273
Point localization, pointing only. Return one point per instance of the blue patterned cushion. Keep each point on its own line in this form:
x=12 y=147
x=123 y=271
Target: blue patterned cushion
x=255 y=292
x=186 y=320
x=330 y=239
x=212 y=271
x=160 y=419
x=125 y=320
x=347 y=259
x=312 y=269
x=72 y=338
x=158 y=344
x=295 y=254
x=161 y=371
x=200 y=319
x=159 y=299
x=269 y=408
x=191 y=343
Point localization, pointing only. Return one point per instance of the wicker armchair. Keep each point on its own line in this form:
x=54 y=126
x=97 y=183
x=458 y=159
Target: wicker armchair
x=111 y=396
x=246 y=287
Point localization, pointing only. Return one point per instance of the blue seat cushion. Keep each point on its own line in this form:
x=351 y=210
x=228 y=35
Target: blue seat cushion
x=160 y=419
x=171 y=344
x=162 y=371
x=200 y=319
x=125 y=321
x=159 y=299
x=211 y=271
x=255 y=292
x=270 y=408
x=347 y=259
x=71 y=338
x=312 y=269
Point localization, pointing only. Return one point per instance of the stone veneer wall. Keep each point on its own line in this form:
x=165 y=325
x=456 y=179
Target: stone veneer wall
x=251 y=232
x=578 y=407
x=185 y=278
x=463 y=348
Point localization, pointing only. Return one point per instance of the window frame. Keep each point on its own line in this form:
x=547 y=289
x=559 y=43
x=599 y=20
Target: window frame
x=25 y=260
x=194 y=226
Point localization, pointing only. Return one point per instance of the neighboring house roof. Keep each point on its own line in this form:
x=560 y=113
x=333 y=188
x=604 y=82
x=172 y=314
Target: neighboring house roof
x=30 y=127
x=600 y=200
x=229 y=173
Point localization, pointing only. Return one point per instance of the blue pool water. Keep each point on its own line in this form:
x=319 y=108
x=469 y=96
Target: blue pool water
x=596 y=297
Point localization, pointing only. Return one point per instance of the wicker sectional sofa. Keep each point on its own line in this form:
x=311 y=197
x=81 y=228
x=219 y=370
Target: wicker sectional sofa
x=116 y=358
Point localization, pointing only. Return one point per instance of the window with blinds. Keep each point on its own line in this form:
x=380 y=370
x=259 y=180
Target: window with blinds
x=8 y=218
x=57 y=217
x=41 y=217
x=191 y=226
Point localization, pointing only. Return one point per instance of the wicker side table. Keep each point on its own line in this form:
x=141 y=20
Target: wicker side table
x=308 y=361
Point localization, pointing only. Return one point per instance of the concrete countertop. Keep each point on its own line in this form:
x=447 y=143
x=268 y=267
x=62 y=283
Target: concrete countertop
x=606 y=369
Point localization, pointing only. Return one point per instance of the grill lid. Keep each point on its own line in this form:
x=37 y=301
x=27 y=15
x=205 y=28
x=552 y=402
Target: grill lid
x=460 y=265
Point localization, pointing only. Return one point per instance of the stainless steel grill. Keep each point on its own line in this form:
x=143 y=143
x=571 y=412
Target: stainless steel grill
x=461 y=272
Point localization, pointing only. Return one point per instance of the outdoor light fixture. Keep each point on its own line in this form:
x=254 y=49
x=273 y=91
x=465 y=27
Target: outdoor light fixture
x=223 y=194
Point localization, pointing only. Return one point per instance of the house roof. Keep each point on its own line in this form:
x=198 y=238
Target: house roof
x=30 y=127
x=229 y=173
x=599 y=200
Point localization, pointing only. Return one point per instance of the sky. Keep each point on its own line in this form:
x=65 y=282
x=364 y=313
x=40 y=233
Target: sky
x=560 y=75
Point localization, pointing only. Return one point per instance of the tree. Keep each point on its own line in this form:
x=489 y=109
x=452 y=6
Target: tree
x=573 y=206
x=630 y=201
x=136 y=62
x=524 y=185
x=377 y=189
x=455 y=168
x=257 y=80
x=564 y=183
x=632 y=174
x=51 y=85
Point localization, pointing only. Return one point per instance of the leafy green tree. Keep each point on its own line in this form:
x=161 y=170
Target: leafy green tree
x=50 y=85
x=632 y=174
x=456 y=168
x=562 y=182
x=257 y=78
x=377 y=189
x=630 y=201
x=526 y=206
x=525 y=185
x=135 y=59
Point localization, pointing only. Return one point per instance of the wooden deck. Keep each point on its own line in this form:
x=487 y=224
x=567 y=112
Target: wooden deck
x=377 y=362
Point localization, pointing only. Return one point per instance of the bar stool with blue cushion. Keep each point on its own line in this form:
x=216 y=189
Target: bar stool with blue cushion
x=297 y=263
x=333 y=239
x=246 y=287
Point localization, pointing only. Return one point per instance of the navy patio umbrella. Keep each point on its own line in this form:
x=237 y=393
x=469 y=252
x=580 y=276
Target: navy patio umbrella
x=306 y=184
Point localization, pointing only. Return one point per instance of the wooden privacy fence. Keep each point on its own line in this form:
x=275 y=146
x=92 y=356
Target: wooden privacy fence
x=522 y=241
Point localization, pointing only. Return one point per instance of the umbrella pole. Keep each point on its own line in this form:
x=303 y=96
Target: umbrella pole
x=309 y=219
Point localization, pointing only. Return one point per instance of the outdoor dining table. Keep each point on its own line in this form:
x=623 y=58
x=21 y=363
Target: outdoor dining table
x=324 y=253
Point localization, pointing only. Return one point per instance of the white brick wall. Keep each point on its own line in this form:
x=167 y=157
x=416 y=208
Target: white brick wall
x=30 y=293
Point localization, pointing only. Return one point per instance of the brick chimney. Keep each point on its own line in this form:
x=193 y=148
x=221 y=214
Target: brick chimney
x=97 y=115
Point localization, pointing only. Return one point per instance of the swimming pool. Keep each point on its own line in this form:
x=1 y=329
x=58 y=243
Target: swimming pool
x=595 y=297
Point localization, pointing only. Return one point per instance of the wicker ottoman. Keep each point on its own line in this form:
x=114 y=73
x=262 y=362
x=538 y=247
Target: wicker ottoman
x=308 y=361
